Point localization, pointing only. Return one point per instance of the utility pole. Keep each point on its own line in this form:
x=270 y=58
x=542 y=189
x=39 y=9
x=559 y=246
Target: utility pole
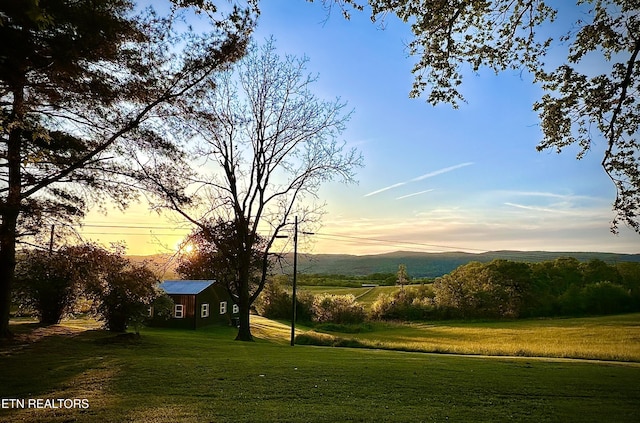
x=295 y=277
x=53 y=228
x=295 y=280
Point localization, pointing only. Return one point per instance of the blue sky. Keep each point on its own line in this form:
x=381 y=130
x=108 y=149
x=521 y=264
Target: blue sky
x=435 y=178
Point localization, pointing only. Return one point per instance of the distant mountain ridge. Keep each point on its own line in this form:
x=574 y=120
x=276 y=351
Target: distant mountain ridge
x=434 y=264
x=418 y=264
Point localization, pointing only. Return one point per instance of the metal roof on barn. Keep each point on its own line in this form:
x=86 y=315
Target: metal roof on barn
x=185 y=287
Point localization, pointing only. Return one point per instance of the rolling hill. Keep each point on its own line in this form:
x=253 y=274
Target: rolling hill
x=418 y=264
x=433 y=264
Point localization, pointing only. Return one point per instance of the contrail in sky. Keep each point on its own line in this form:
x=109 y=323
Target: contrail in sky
x=386 y=189
x=414 y=194
x=438 y=172
x=520 y=206
x=420 y=178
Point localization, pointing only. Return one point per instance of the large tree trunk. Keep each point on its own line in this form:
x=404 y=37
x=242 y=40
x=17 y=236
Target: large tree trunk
x=244 y=330
x=7 y=272
x=9 y=212
x=244 y=305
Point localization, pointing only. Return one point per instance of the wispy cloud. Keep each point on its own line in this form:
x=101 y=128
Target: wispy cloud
x=542 y=209
x=414 y=194
x=469 y=228
x=420 y=178
x=549 y=195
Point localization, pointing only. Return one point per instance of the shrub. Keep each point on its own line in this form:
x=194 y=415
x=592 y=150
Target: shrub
x=126 y=296
x=304 y=306
x=325 y=340
x=121 y=291
x=274 y=302
x=46 y=284
x=571 y=302
x=163 y=306
x=341 y=309
x=49 y=283
x=416 y=303
x=384 y=308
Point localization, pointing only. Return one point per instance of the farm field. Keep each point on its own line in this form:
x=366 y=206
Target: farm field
x=601 y=338
x=194 y=376
x=597 y=338
x=365 y=295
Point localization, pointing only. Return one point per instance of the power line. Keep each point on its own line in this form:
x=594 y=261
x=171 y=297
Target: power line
x=130 y=234
x=130 y=226
x=322 y=235
x=398 y=243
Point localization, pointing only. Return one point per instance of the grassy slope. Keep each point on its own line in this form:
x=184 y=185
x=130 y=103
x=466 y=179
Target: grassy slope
x=174 y=375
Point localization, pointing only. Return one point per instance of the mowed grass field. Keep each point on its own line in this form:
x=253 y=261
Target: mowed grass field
x=596 y=338
x=364 y=295
x=205 y=376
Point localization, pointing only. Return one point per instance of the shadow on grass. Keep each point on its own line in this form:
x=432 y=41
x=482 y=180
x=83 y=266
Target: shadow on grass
x=59 y=362
x=42 y=358
x=191 y=376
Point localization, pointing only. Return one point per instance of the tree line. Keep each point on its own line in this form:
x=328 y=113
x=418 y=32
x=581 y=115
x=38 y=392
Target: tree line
x=496 y=290
x=322 y=279
x=508 y=289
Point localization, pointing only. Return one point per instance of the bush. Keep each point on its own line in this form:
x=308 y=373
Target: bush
x=570 y=302
x=121 y=291
x=341 y=309
x=49 y=283
x=274 y=302
x=46 y=284
x=304 y=306
x=416 y=303
x=325 y=340
x=125 y=297
x=163 y=306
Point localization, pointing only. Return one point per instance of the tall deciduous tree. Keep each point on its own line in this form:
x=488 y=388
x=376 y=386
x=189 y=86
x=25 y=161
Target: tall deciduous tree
x=84 y=85
x=582 y=104
x=269 y=143
x=402 y=275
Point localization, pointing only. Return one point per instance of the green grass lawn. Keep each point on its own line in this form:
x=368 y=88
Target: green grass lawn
x=205 y=376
